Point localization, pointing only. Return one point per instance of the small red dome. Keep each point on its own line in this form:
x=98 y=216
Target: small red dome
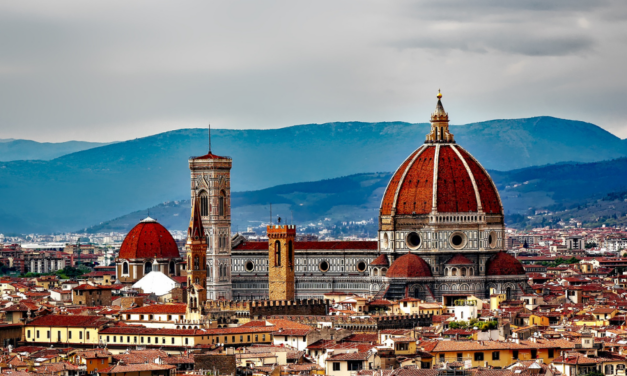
x=382 y=260
x=459 y=259
x=149 y=239
x=462 y=184
x=504 y=264
x=409 y=266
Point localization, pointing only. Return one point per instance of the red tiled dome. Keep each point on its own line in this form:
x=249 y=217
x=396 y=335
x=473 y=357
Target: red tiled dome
x=410 y=190
x=459 y=259
x=409 y=266
x=504 y=264
x=148 y=240
x=382 y=260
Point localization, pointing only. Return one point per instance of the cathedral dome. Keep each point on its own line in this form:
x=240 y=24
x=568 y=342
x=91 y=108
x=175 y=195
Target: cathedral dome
x=409 y=266
x=440 y=177
x=460 y=184
x=149 y=239
x=503 y=263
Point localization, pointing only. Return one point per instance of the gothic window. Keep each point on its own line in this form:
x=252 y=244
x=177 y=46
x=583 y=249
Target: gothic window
x=290 y=254
x=125 y=268
x=196 y=263
x=222 y=203
x=204 y=204
x=147 y=268
x=277 y=253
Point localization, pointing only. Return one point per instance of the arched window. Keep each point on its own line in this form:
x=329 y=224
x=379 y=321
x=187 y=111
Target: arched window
x=125 y=268
x=277 y=253
x=172 y=267
x=384 y=243
x=222 y=203
x=463 y=272
x=147 y=268
x=196 y=262
x=290 y=254
x=204 y=204
x=454 y=272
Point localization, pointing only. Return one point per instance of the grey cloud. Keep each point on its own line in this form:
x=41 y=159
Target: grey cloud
x=491 y=42
x=113 y=70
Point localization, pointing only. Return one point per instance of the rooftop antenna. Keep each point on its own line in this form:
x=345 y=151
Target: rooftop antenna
x=209 y=138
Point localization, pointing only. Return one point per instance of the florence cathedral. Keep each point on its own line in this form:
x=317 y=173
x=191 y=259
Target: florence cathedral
x=441 y=237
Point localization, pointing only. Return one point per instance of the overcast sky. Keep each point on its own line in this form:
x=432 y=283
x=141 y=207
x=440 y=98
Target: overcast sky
x=115 y=70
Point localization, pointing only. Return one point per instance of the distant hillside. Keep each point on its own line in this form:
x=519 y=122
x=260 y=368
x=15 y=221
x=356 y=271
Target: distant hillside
x=349 y=198
x=91 y=186
x=17 y=150
x=592 y=192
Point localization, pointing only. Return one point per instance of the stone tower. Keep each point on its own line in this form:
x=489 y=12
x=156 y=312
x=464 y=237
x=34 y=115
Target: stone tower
x=281 y=261
x=196 y=264
x=211 y=185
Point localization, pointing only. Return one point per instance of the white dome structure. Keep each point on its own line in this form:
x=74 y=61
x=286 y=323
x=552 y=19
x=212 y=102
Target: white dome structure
x=156 y=283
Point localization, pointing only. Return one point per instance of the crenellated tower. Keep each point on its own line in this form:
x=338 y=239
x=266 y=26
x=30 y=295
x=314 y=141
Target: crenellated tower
x=211 y=185
x=281 y=240
x=196 y=264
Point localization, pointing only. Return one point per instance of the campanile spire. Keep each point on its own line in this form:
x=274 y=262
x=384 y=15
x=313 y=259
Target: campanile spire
x=439 y=125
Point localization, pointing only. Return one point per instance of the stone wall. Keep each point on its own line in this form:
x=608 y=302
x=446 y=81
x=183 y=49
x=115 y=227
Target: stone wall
x=289 y=308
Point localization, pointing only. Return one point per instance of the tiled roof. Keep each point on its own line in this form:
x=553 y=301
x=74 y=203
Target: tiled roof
x=444 y=346
x=210 y=156
x=409 y=265
x=350 y=356
x=86 y=287
x=459 y=259
x=411 y=189
x=381 y=260
x=69 y=321
x=292 y=332
x=503 y=263
x=159 y=309
x=148 y=240
x=119 y=368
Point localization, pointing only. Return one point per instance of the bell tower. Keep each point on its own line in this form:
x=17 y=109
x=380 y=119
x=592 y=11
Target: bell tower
x=196 y=264
x=281 y=261
x=211 y=184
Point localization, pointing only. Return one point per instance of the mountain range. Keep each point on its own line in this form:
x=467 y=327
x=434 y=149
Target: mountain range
x=16 y=150
x=85 y=188
x=583 y=191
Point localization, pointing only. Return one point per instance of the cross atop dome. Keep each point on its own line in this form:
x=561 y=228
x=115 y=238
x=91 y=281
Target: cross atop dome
x=439 y=125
